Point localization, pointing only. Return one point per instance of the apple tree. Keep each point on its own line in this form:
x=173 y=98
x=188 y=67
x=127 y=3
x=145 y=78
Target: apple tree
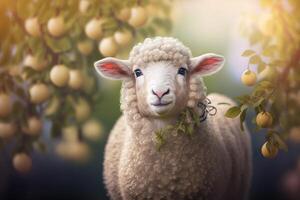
x=46 y=67
x=273 y=74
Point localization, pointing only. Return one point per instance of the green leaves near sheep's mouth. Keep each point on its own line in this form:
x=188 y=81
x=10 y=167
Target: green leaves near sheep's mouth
x=186 y=124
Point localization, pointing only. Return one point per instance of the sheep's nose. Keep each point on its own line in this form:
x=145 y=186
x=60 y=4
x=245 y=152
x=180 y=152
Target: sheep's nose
x=160 y=93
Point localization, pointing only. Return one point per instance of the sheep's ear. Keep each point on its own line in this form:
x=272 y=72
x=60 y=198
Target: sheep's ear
x=113 y=68
x=206 y=64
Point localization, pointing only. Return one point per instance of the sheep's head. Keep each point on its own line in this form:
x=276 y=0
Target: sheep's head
x=161 y=69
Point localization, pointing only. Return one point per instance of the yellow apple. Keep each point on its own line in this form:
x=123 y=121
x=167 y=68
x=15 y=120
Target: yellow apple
x=93 y=29
x=7 y=130
x=5 y=105
x=270 y=152
x=138 y=16
x=248 y=78
x=76 y=79
x=59 y=75
x=85 y=47
x=264 y=119
x=84 y=6
x=70 y=133
x=39 y=93
x=56 y=26
x=22 y=162
x=124 y=14
x=32 y=27
x=34 y=126
x=123 y=38
x=75 y=150
x=294 y=134
x=108 y=46
x=15 y=70
x=34 y=63
x=92 y=130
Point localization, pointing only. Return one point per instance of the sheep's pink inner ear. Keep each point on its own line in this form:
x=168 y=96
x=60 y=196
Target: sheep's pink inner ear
x=112 y=68
x=207 y=64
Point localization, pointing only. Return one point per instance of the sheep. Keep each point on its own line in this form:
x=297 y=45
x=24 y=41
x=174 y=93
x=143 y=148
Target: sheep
x=161 y=80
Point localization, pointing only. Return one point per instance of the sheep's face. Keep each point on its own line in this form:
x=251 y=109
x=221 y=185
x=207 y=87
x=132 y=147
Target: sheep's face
x=161 y=88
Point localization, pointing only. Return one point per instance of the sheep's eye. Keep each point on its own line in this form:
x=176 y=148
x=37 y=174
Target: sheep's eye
x=182 y=71
x=138 y=72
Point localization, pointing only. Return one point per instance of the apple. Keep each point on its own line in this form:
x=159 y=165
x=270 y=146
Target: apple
x=294 y=134
x=70 y=133
x=269 y=152
x=76 y=79
x=124 y=14
x=15 y=70
x=34 y=126
x=93 y=29
x=138 y=16
x=76 y=151
x=85 y=47
x=84 y=6
x=34 y=63
x=123 y=38
x=248 y=78
x=56 y=26
x=264 y=119
x=92 y=129
x=108 y=46
x=32 y=27
x=22 y=162
x=5 y=105
x=39 y=93
x=59 y=75
x=7 y=130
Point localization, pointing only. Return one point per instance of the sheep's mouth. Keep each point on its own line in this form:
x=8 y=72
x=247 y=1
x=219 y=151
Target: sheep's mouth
x=160 y=104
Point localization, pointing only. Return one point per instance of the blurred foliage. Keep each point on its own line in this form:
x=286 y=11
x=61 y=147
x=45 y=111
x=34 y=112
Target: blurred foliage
x=46 y=67
x=275 y=97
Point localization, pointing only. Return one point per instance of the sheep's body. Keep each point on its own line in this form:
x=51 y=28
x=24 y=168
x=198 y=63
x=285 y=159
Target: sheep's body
x=215 y=163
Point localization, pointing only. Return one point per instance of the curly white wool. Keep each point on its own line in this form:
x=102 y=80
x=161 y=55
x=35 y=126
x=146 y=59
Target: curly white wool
x=160 y=49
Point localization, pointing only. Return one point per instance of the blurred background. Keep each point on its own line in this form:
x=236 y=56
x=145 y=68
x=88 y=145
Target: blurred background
x=204 y=26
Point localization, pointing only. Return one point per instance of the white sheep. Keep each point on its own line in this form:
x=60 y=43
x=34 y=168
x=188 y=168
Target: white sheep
x=160 y=81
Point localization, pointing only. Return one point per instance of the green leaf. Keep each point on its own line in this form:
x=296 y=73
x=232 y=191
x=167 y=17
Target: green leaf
x=261 y=67
x=233 y=112
x=248 y=52
x=255 y=60
x=258 y=102
x=269 y=51
x=242 y=118
x=279 y=142
x=243 y=99
x=59 y=45
x=244 y=107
